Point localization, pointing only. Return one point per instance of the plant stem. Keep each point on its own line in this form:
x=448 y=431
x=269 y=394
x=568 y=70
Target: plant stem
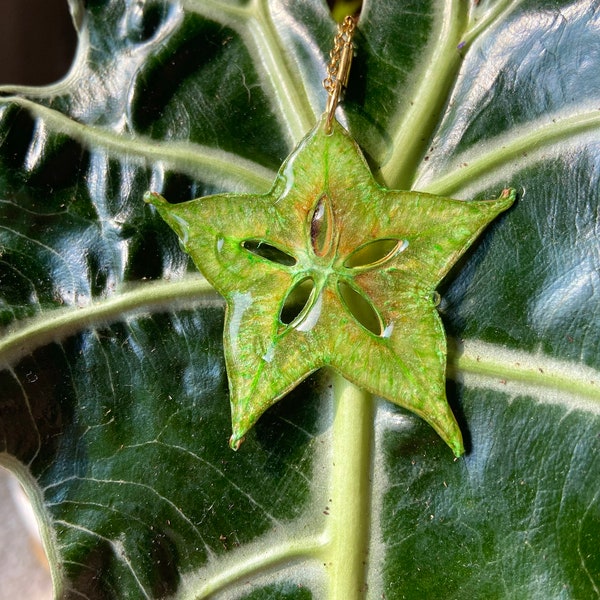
x=416 y=125
x=54 y=325
x=350 y=503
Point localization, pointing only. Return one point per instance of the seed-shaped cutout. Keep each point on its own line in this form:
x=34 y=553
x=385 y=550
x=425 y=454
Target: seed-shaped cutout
x=360 y=308
x=268 y=251
x=322 y=227
x=375 y=253
x=296 y=301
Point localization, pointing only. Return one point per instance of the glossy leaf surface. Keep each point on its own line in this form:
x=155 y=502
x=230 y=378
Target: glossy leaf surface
x=114 y=406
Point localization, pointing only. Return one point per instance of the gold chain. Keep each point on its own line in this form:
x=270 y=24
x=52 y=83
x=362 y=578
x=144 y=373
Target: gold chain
x=338 y=70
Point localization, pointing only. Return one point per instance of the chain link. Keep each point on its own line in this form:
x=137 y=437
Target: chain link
x=338 y=69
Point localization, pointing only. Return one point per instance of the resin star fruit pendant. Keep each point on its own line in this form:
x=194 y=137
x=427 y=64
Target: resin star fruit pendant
x=330 y=269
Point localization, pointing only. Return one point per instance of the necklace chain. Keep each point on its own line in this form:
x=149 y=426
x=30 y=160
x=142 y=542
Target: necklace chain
x=338 y=70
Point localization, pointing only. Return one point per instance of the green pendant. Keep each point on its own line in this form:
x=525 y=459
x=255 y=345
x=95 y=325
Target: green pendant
x=330 y=269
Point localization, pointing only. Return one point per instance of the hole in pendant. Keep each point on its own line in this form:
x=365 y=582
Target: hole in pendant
x=296 y=301
x=269 y=252
x=360 y=308
x=375 y=253
x=321 y=227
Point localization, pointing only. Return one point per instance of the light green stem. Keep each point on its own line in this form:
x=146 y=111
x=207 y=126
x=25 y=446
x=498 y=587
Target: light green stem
x=416 y=125
x=57 y=324
x=504 y=152
x=213 y=165
x=348 y=531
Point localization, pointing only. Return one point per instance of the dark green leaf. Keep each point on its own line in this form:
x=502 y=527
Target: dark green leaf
x=113 y=397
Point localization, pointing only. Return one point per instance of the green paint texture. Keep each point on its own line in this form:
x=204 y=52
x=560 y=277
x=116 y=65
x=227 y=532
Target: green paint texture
x=370 y=314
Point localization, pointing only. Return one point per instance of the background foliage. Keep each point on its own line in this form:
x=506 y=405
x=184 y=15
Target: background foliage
x=113 y=395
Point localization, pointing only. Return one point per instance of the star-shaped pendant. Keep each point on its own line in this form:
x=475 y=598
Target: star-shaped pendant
x=363 y=262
